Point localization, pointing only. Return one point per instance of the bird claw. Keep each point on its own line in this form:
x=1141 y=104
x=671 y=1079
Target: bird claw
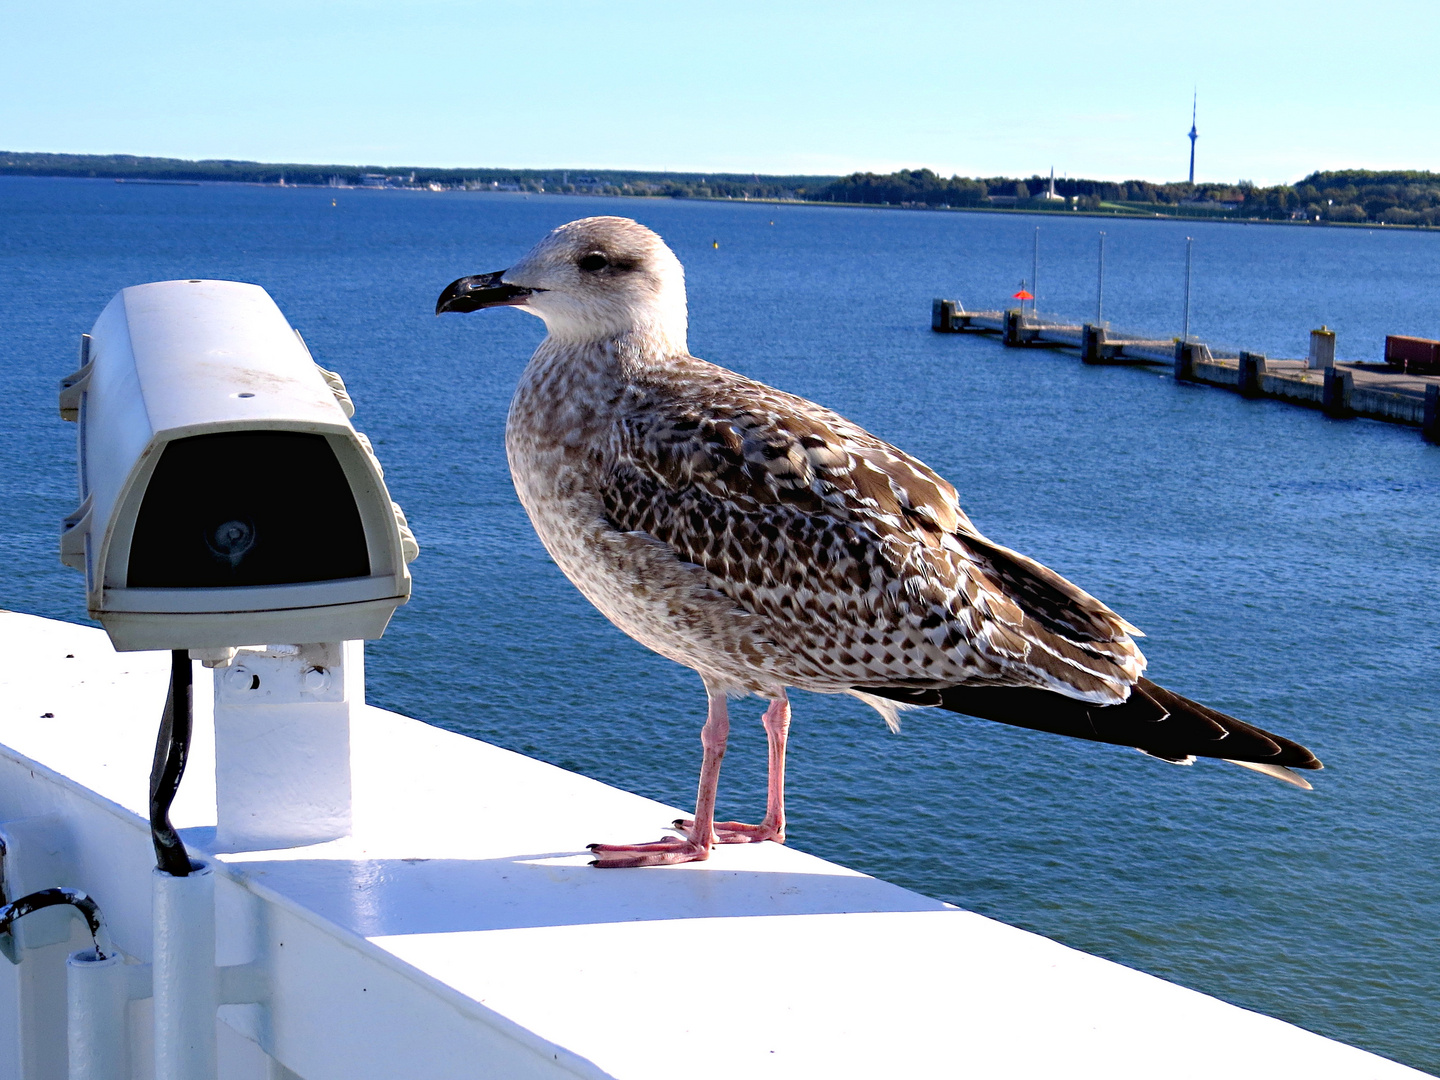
x=736 y=832
x=664 y=852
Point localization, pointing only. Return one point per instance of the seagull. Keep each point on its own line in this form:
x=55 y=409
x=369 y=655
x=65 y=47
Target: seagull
x=770 y=544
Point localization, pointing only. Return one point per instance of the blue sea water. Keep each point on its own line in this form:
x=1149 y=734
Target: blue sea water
x=1285 y=566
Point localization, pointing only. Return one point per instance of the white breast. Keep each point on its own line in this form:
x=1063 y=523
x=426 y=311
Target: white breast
x=557 y=438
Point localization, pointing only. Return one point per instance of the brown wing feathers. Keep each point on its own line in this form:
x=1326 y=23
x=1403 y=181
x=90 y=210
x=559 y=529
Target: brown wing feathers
x=872 y=575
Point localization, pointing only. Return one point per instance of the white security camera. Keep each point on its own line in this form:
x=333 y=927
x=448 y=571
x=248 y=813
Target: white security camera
x=226 y=499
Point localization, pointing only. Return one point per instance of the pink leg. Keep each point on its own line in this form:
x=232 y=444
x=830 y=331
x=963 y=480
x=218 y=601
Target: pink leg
x=699 y=836
x=777 y=729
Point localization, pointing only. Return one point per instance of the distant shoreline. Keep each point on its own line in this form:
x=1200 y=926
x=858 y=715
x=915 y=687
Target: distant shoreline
x=1411 y=200
x=1103 y=215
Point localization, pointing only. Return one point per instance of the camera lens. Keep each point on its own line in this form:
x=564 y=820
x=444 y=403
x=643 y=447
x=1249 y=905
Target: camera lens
x=231 y=540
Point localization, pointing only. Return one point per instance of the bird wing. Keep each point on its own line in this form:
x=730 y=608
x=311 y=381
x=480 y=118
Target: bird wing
x=858 y=554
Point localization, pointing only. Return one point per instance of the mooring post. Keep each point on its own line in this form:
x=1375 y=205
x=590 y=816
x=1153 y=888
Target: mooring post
x=1011 y=336
x=1184 y=361
x=1249 y=379
x=942 y=316
x=1092 y=344
x=1430 y=429
x=1335 y=398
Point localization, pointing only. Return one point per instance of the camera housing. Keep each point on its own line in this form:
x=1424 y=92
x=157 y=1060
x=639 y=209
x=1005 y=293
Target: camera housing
x=226 y=498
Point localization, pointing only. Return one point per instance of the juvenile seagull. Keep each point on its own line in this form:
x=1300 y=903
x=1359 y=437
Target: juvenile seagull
x=768 y=543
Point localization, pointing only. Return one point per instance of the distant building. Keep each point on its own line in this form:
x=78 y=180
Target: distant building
x=381 y=180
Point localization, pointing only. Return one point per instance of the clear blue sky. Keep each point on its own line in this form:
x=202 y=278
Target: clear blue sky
x=1097 y=89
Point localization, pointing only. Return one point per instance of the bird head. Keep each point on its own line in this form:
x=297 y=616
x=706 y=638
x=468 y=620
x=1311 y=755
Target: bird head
x=592 y=280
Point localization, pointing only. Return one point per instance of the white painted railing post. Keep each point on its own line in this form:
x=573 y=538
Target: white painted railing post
x=282 y=744
x=98 y=993
x=186 y=984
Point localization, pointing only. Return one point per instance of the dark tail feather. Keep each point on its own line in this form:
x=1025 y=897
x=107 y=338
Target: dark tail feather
x=1153 y=719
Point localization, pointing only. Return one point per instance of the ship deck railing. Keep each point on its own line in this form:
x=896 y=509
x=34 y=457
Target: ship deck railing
x=459 y=932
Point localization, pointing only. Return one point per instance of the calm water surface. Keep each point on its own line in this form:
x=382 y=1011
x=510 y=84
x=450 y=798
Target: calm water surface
x=1284 y=565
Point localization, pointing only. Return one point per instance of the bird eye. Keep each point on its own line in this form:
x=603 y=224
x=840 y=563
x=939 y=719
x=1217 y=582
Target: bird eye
x=593 y=263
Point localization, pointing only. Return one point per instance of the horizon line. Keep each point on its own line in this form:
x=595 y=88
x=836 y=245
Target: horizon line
x=725 y=173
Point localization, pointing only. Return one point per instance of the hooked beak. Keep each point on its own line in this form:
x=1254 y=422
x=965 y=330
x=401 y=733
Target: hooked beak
x=480 y=291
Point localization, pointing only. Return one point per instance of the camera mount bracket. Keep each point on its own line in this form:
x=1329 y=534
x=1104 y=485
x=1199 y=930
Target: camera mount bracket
x=282 y=743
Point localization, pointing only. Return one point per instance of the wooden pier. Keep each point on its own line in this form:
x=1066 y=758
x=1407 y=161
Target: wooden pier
x=1376 y=391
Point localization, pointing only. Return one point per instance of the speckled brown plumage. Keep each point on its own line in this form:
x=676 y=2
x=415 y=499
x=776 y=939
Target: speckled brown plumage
x=841 y=560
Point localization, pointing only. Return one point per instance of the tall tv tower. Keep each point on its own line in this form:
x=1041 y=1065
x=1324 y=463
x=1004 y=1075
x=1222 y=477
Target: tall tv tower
x=1193 y=136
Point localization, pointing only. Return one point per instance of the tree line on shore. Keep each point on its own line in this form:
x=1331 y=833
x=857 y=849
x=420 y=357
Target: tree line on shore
x=1352 y=195
x=567 y=181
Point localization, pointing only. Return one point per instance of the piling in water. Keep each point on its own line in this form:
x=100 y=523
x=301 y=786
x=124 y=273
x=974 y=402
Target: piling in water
x=1335 y=399
x=945 y=316
x=1251 y=373
x=1012 y=328
x=1185 y=361
x=942 y=316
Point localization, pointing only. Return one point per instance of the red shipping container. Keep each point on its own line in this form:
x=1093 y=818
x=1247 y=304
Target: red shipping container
x=1413 y=355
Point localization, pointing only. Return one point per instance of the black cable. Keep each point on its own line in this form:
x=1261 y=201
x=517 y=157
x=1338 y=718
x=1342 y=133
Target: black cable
x=52 y=898
x=172 y=747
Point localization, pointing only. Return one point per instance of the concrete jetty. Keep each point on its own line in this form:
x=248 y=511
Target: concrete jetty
x=1338 y=389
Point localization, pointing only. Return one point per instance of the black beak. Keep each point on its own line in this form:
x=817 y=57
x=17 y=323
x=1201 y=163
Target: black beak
x=480 y=291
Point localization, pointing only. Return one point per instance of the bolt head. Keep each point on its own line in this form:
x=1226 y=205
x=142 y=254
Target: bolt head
x=315 y=680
